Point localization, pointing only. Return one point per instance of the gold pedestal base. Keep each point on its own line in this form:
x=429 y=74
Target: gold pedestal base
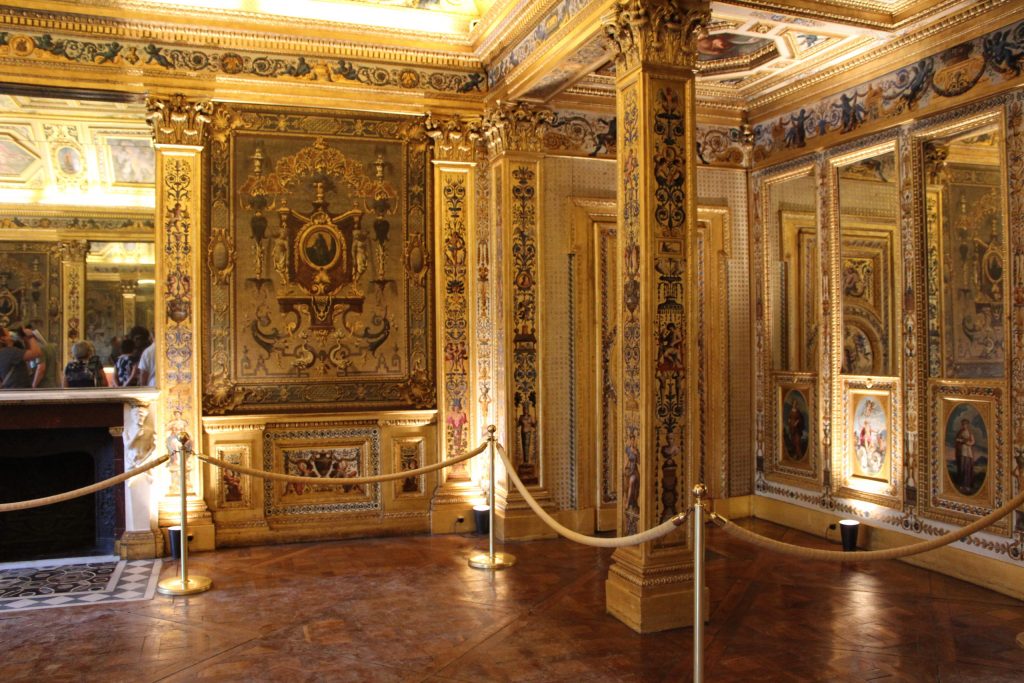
x=484 y=561
x=1020 y=639
x=195 y=584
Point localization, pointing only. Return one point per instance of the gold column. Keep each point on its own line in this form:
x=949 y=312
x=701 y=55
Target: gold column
x=128 y=297
x=455 y=143
x=178 y=128
x=72 y=275
x=515 y=135
x=649 y=587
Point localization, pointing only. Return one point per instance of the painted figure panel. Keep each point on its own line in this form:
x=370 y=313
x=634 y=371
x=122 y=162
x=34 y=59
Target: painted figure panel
x=870 y=436
x=796 y=427
x=966 y=449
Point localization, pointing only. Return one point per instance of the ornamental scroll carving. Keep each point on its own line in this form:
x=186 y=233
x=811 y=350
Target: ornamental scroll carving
x=178 y=121
x=516 y=127
x=656 y=31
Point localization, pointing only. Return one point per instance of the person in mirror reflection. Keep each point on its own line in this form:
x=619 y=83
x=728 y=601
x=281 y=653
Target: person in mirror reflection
x=43 y=370
x=145 y=367
x=126 y=365
x=15 y=352
x=85 y=368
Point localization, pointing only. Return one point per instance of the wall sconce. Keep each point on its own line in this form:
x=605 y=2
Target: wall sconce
x=848 y=528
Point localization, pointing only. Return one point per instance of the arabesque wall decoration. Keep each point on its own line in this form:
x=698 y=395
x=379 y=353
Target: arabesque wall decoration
x=312 y=305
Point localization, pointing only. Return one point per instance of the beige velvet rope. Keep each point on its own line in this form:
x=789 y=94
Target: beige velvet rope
x=345 y=481
x=887 y=554
x=651 y=534
x=84 y=491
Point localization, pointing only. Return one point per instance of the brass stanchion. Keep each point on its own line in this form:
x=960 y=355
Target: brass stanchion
x=698 y=583
x=491 y=559
x=184 y=585
x=1020 y=639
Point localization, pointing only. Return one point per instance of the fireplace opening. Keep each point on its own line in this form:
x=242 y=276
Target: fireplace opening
x=35 y=464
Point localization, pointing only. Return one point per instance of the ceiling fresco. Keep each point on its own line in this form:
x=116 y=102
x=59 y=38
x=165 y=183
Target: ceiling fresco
x=81 y=152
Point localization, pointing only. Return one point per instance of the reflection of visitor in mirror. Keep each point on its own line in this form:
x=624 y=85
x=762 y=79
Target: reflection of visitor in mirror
x=14 y=354
x=85 y=368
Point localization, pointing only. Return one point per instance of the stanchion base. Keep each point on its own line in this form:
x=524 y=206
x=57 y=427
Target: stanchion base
x=1020 y=639
x=484 y=561
x=195 y=584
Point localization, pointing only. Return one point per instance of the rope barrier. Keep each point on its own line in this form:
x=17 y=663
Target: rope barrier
x=870 y=555
x=84 y=491
x=345 y=481
x=651 y=534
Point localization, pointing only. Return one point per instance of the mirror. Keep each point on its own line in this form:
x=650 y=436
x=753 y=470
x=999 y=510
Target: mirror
x=793 y=272
x=868 y=208
x=965 y=222
x=792 y=268
x=77 y=201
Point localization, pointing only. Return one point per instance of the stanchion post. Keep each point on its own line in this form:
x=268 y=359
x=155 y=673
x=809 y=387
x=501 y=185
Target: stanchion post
x=491 y=560
x=184 y=585
x=698 y=583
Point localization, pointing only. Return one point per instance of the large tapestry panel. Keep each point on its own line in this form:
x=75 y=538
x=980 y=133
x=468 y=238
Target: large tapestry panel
x=317 y=263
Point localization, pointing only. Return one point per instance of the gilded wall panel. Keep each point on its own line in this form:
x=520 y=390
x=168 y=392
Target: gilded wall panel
x=30 y=286
x=525 y=319
x=629 y=311
x=314 y=218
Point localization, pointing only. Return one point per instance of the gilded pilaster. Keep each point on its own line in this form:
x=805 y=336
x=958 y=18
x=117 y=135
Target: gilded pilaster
x=72 y=274
x=178 y=128
x=660 y=412
x=455 y=146
x=515 y=138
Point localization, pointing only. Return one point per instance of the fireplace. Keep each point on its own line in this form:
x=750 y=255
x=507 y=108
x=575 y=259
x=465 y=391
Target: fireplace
x=52 y=452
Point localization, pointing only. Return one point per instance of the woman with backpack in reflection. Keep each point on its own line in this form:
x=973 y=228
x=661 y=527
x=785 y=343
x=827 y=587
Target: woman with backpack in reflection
x=86 y=369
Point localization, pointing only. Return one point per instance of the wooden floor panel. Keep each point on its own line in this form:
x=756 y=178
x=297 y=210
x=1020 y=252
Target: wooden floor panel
x=410 y=609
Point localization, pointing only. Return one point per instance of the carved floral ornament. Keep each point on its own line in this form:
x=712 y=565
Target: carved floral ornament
x=455 y=139
x=656 y=31
x=516 y=127
x=177 y=121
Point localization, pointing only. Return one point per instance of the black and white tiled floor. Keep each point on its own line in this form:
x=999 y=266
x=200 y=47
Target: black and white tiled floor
x=76 y=582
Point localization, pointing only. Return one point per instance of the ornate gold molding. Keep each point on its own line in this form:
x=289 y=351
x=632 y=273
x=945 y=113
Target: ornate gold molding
x=516 y=127
x=455 y=139
x=656 y=32
x=178 y=121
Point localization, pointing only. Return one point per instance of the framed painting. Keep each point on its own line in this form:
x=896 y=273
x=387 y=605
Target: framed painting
x=871 y=455
x=968 y=466
x=795 y=427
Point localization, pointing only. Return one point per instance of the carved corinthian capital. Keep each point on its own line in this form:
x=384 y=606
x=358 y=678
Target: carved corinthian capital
x=660 y=32
x=177 y=121
x=516 y=127
x=455 y=139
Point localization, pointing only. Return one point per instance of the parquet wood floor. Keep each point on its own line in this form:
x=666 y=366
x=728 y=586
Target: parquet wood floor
x=410 y=609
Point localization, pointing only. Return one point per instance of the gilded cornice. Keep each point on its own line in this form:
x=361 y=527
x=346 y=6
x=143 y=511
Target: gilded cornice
x=866 y=13
x=178 y=121
x=455 y=138
x=900 y=51
x=267 y=39
x=516 y=127
x=660 y=32
x=258 y=24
